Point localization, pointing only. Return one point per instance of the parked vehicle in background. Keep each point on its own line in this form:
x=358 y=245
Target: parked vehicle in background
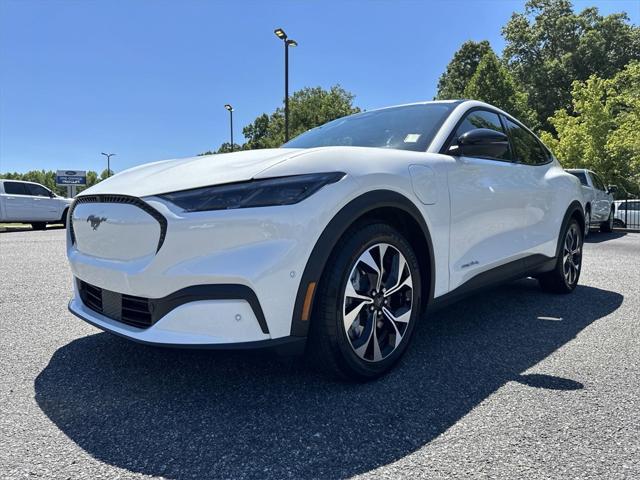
x=28 y=202
x=627 y=213
x=598 y=198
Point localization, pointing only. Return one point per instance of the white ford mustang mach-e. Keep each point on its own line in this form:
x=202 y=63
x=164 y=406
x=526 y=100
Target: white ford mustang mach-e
x=335 y=243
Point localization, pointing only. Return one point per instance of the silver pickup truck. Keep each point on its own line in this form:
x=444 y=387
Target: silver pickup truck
x=598 y=209
x=28 y=202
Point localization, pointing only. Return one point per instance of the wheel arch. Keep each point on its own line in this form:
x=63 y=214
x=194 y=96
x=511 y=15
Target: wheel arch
x=574 y=211
x=383 y=205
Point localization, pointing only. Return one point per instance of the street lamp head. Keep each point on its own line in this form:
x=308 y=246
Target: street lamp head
x=280 y=34
x=108 y=154
x=228 y=107
x=292 y=43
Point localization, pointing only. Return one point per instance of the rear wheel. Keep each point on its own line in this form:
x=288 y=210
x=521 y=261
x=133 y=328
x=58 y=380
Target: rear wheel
x=564 y=277
x=587 y=222
x=367 y=305
x=39 y=225
x=608 y=225
x=619 y=223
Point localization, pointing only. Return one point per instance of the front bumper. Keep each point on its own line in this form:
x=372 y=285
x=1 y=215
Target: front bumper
x=161 y=337
x=262 y=250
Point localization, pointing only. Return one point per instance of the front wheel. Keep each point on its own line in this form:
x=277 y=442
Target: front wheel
x=367 y=305
x=564 y=277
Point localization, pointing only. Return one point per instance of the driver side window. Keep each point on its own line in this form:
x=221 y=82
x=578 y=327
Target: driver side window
x=482 y=119
x=597 y=182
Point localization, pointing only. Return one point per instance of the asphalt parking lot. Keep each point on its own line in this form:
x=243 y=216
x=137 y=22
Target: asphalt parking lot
x=513 y=383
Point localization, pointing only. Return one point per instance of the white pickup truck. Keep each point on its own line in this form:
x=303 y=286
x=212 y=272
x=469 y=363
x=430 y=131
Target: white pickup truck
x=28 y=202
x=598 y=209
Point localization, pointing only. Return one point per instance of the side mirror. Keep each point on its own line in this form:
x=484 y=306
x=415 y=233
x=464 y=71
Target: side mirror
x=481 y=142
x=612 y=189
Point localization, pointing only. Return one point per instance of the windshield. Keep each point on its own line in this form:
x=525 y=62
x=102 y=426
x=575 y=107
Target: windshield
x=411 y=127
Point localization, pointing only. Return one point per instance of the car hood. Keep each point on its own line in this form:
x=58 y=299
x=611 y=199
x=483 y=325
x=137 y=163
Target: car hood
x=182 y=174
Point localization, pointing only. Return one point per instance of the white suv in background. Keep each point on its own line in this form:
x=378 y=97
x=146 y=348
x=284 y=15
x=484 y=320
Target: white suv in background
x=28 y=202
x=598 y=199
x=627 y=213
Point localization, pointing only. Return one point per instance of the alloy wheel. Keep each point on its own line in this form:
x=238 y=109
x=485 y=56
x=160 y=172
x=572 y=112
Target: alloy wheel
x=572 y=255
x=378 y=301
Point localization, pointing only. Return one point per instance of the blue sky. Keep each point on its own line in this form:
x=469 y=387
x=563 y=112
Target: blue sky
x=148 y=79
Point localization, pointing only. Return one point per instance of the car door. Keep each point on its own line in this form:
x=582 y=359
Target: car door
x=44 y=207
x=17 y=201
x=539 y=195
x=487 y=206
x=603 y=202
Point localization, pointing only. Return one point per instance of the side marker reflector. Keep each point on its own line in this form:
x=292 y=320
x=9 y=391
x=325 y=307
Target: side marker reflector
x=308 y=298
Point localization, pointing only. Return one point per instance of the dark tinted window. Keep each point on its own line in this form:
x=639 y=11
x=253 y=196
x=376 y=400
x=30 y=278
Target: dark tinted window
x=528 y=149
x=482 y=119
x=38 y=190
x=597 y=182
x=15 y=188
x=581 y=176
x=411 y=127
x=629 y=206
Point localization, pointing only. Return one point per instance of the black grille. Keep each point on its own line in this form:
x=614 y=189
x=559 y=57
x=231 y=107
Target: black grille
x=134 y=311
x=120 y=199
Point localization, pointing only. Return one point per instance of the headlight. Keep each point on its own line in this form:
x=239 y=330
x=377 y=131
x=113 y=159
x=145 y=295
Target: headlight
x=255 y=193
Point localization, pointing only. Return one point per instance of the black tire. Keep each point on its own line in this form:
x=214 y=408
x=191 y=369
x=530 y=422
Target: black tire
x=587 y=222
x=558 y=280
x=330 y=347
x=619 y=223
x=39 y=225
x=607 y=226
x=63 y=220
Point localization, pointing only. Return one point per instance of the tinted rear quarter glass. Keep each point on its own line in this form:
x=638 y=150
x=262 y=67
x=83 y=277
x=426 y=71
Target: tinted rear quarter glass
x=581 y=176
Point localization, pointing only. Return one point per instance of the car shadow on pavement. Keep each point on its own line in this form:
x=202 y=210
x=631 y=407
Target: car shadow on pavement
x=203 y=414
x=27 y=228
x=599 y=237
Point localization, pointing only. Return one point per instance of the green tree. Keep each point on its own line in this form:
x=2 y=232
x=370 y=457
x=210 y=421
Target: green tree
x=602 y=130
x=308 y=108
x=106 y=174
x=460 y=69
x=492 y=83
x=549 y=46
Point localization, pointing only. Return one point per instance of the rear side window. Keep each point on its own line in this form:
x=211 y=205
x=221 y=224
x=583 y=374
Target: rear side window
x=528 y=149
x=482 y=119
x=15 y=188
x=581 y=176
x=38 y=190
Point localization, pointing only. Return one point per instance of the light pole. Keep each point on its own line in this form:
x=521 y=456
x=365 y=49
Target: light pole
x=108 y=155
x=287 y=43
x=230 y=108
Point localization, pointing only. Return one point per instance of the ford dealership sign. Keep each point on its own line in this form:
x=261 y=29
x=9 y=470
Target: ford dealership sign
x=71 y=177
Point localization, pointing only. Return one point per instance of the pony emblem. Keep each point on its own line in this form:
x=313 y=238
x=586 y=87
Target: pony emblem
x=95 y=221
